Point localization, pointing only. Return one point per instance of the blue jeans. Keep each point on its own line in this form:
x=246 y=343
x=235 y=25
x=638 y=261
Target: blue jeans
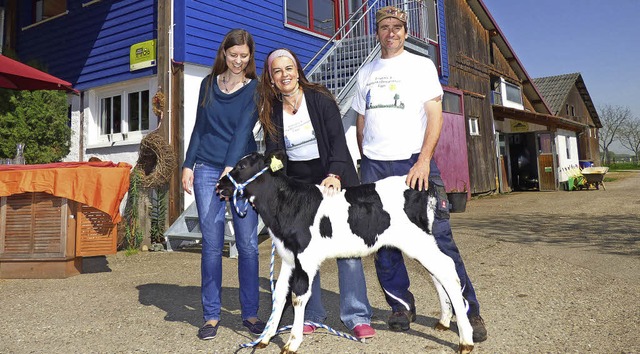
x=354 y=304
x=390 y=267
x=211 y=214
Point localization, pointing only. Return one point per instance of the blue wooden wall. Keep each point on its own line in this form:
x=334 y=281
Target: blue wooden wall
x=90 y=45
x=206 y=22
x=444 y=52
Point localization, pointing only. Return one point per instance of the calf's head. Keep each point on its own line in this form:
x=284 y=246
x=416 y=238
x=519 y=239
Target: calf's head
x=249 y=167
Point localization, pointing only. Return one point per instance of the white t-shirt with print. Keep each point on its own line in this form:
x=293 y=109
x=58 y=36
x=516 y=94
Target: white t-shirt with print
x=299 y=137
x=391 y=96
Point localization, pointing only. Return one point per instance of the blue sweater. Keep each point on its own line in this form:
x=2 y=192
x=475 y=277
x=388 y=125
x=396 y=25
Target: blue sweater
x=223 y=132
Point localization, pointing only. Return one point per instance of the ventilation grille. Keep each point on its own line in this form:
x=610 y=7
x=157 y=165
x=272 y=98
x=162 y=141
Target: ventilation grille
x=97 y=235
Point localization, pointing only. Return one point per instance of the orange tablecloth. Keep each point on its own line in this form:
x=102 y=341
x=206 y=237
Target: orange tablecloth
x=101 y=185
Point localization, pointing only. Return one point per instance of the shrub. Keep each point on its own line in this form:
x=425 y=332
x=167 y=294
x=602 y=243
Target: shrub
x=40 y=120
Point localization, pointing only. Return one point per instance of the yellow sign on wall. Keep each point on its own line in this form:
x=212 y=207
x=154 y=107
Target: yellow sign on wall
x=142 y=55
x=519 y=127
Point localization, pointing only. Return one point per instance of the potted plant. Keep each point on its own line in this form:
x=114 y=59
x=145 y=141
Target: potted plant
x=458 y=198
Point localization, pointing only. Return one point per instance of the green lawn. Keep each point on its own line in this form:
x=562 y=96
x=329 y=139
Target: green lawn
x=623 y=166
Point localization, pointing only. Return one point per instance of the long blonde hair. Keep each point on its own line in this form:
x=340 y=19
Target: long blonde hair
x=269 y=93
x=234 y=37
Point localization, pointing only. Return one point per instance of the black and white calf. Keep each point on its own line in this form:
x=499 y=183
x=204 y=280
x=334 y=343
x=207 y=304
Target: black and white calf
x=308 y=228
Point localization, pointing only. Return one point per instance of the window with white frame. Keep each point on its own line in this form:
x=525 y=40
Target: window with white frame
x=473 y=126
x=116 y=118
x=513 y=93
x=568 y=145
x=122 y=114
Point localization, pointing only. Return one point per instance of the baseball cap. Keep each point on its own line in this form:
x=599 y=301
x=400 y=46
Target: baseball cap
x=391 y=11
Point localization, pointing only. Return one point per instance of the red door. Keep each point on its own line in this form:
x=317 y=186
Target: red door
x=451 y=151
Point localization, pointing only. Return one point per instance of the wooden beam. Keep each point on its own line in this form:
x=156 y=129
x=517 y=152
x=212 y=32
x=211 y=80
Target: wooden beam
x=168 y=129
x=474 y=94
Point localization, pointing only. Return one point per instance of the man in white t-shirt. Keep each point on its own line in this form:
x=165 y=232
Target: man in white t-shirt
x=399 y=106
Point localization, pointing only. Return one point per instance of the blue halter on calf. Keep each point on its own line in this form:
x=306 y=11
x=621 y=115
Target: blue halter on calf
x=240 y=191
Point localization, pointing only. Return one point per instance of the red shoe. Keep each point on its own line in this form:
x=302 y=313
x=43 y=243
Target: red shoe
x=363 y=331
x=308 y=329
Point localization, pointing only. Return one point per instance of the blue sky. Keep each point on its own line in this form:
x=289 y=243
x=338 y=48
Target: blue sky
x=599 y=39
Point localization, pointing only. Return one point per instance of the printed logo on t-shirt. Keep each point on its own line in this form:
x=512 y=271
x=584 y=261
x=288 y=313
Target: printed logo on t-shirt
x=299 y=134
x=383 y=92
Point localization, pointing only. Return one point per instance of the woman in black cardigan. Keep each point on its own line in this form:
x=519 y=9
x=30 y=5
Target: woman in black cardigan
x=303 y=119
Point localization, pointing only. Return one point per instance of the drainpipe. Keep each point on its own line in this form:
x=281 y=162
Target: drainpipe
x=81 y=137
x=169 y=74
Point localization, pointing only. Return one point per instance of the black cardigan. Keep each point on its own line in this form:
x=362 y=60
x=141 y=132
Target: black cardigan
x=327 y=124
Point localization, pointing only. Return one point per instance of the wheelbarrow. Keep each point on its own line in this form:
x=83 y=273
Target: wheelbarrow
x=594 y=176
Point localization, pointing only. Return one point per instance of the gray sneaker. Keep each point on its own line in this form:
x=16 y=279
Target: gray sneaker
x=208 y=331
x=479 y=330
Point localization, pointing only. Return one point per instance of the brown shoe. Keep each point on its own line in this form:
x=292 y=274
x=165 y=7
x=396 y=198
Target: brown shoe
x=479 y=330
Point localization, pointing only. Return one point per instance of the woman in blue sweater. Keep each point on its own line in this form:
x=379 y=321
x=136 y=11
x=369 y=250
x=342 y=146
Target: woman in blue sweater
x=303 y=119
x=223 y=133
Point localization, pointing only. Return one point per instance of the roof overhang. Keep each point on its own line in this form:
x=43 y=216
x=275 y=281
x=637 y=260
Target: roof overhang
x=553 y=122
x=582 y=89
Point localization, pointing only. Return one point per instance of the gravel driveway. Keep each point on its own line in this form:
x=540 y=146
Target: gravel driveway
x=555 y=272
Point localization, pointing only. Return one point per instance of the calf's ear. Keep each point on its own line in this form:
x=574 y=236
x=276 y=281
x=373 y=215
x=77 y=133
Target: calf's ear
x=275 y=159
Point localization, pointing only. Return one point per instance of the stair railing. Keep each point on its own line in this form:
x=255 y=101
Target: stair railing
x=354 y=44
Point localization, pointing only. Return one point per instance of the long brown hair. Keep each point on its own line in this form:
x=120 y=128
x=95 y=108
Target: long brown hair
x=234 y=37
x=269 y=93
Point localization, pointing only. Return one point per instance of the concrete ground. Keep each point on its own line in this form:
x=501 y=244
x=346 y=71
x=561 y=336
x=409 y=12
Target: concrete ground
x=555 y=272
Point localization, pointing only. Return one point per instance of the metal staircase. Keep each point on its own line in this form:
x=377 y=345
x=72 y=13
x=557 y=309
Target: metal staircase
x=335 y=66
x=186 y=230
x=353 y=45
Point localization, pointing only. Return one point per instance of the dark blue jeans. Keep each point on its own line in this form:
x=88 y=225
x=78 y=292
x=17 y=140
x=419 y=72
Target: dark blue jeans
x=211 y=214
x=390 y=267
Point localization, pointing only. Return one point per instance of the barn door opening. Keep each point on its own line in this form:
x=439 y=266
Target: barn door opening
x=523 y=161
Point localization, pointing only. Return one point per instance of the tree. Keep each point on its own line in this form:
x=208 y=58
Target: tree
x=630 y=135
x=612 y=118
x=39 y=119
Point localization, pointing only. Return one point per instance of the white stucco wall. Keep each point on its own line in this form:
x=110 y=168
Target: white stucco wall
x=193 y=75
x=74 y=150
x=566 y=164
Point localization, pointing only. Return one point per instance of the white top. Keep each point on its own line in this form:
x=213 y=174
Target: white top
x=391 y=94
x=299 y=137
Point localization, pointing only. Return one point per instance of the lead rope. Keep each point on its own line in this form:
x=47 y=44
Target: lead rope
x=288 y=327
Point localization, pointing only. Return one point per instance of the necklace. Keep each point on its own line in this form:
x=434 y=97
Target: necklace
x=295 y=105
x=224 y=83
x=294 y=91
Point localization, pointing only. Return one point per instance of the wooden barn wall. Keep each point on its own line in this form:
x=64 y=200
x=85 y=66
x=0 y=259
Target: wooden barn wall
x=470 y=71
x=204 y=23
x=588 y=148
x=89 y=46
x=574 y=98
